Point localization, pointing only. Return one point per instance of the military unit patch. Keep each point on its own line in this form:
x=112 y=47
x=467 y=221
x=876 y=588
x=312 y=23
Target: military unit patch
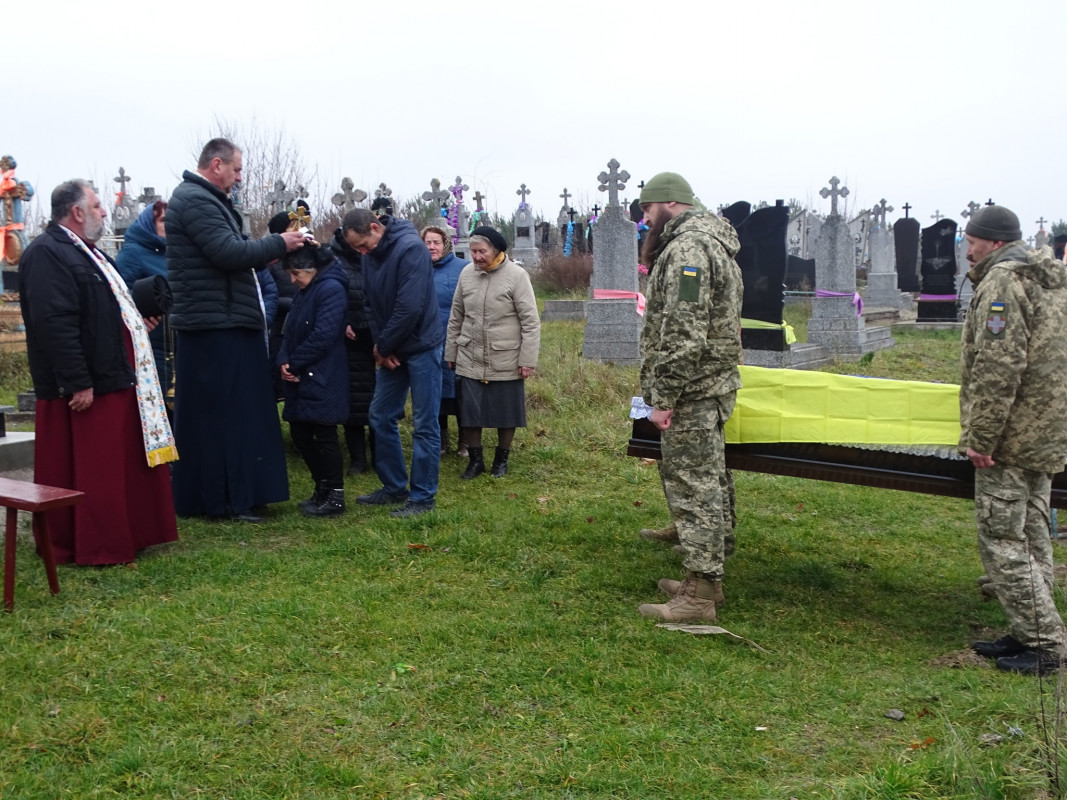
x=997 y=320
x=689 y=286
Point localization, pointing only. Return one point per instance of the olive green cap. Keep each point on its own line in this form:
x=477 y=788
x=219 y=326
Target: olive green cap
x=668 y=187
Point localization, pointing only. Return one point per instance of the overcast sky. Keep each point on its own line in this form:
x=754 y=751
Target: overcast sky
x=934 y=103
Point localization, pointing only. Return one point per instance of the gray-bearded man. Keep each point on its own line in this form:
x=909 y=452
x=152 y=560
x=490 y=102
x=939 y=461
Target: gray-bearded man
x=690 y=348
x=1013 y=415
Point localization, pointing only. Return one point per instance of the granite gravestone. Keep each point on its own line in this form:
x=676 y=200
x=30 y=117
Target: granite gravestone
x=613 y=326
x=799 y=274
x=938 y=301
x=882 y=291
x=906 y=234
x=736 y=213
x=835 y=311
x=964 y=288
x=762 y=259
x=525 y=249
x=125 y=211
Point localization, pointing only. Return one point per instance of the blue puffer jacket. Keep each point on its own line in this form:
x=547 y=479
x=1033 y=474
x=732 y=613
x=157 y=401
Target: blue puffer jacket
x=314 y=348
x=445 y=276
x=143 y=255
x=210 y=263
x=398 y=292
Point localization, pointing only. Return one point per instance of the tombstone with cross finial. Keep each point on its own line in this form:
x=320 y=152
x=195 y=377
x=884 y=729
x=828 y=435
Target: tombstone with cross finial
x=613 y=326
x=882 y=291
x=383 y=204
x=907 y=232
x=938 y=298
x=348 y=197
x=525 y=249
x=561 y=218
x=1041 y=237
x=148 y=196
x=125 y=205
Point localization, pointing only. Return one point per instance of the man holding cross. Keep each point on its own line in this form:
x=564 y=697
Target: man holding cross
x=690 y=348
x=1013 y=419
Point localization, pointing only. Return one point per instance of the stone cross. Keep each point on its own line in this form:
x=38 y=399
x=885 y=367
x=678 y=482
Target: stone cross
x=833 y=193
x=971 y=208
x=458 y=188
x=907 y=208
x=346 y=199
x=437 y=195
x=1030 y=240
x=566 y=195
x=880 y=210
x=383 y=191
x=613 y=180
x=937 y=216
x=122 y=180
x=280 y=199
x=1041 y=223
x=478 y=198
x=148 y=195
x=522 y=191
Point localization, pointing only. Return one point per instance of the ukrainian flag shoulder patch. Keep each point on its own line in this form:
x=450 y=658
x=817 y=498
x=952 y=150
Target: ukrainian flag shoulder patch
x=689 y=285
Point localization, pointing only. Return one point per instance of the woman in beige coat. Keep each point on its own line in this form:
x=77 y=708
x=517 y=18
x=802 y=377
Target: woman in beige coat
x=494 y=335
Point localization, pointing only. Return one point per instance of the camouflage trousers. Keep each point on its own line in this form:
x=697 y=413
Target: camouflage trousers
x=1012 y=508
x=696 y=483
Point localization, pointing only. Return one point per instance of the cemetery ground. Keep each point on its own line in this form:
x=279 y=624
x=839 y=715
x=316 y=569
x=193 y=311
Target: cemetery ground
x=493 y=649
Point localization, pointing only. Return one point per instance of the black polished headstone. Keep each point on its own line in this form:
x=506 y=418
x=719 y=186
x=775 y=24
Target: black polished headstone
x=906 y=233
x=1058 y=245
x=938 y=270
x=800 y=274
x=762 y=259
x=737 y=213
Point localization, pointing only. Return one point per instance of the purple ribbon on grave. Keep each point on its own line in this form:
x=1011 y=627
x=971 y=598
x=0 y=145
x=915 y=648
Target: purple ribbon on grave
x=938 y=298
x=857 y=301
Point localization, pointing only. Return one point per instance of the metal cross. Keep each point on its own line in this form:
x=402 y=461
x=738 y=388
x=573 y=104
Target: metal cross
x=478 y=201
x=458 y=188
x=937 y=216
x=907 y=208
x=1041 y=223
x=346 y=199
x=523 y=191
x=833 y=193
x=596 y=210
x=148 y=195
x=971 y=208
x=572 y=213
x=280 y=199
x=566 y=195
x=880 y=210
x=613 y=180
x=990 y=203
x=641 y=185
x=383 y=191
x=437 y=195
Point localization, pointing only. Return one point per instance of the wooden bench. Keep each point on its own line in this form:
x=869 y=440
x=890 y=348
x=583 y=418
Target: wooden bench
x=18 y=496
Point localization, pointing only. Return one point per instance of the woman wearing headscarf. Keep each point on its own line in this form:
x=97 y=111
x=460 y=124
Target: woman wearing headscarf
x=446 y=269
x=493 y=338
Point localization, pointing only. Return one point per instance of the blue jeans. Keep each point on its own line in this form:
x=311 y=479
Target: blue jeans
x=421 y=374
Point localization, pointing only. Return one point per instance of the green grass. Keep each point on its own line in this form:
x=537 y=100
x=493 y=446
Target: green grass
x=503 y=657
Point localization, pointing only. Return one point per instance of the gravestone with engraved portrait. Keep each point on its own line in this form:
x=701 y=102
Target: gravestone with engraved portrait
x=938 y=299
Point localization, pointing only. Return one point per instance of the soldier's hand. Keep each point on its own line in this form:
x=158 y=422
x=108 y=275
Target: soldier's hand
x=980 y=461
x=661 y=417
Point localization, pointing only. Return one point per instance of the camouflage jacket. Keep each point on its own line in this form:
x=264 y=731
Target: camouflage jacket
x=1013 y=393
x=691 y=340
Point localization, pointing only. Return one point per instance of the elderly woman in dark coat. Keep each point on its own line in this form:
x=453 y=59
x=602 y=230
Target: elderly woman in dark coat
x=359 y=345
x=494 y=335
x=314 y=373
x=446 y=268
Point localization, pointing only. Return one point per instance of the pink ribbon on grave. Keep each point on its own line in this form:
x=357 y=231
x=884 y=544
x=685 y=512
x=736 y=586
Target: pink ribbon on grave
x=938 y=298
x=857 y=301
x=618 y=294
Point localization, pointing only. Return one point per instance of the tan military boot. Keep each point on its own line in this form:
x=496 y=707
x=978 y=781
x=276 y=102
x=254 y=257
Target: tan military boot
x=668 y=535
x=671 y=587
x=693 y=603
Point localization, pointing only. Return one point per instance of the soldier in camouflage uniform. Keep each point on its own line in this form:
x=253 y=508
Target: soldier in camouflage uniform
x=690 y=348
x=1013 y=414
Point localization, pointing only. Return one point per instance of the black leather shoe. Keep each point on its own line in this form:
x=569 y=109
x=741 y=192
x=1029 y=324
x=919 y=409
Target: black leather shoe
x=1002 y=647
x=1031 y=662
x=380 y=497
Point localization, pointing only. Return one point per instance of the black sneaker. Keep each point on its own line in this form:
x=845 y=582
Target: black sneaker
x=1002 y=647
x=1031 y=662
x=380 y=497
x=412 y=508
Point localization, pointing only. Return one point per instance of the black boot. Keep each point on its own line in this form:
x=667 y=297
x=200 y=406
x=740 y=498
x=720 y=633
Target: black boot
x=500 y=463
x=333 y=505
x=476 y=465
x=321 y=490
